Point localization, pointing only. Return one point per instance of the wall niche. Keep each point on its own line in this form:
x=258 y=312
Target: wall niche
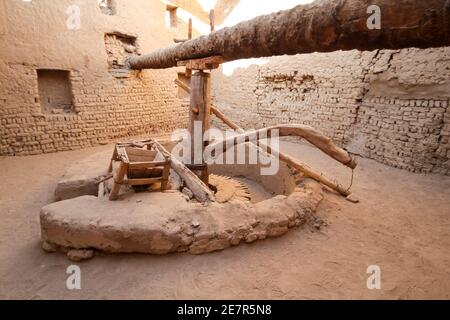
x=119 y=48
x=55 y=91
x=107 y=7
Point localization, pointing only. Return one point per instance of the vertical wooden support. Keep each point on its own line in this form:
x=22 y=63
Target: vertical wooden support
x=212 y=20
x=165 y=176
x=190 y=29
x=118 y=181
x=200 y=112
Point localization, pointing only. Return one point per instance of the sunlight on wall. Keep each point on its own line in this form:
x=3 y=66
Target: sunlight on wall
x=245 y=10
x=207 y=5
x=229 y=67
x=197 y=24
x=248 y=9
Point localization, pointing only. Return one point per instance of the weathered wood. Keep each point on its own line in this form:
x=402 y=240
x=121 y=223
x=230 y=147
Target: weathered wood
x=147 y=165
x=132 y=165
x=227 y=121
x=142 y=181
x=307 y=171
x=183 y=86
x=189 y=33
x=165 y=178
x=212 y=20
x=321 y=26
x=295 y=163
x=119 y=177
x=208 y=63
x=200 y=111
x=200 y=190
x=311 y=135
x=190 y=29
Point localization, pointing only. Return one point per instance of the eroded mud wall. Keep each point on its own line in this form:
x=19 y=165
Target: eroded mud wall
x=391 y=106
x=106 y=103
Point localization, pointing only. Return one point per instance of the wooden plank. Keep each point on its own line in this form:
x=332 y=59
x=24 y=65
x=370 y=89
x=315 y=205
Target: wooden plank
x=200 y=190
x=113 y=158
x=140 y=152
x=147 y=165
x=208 y=63
x=227 y=121
x=165 y=178
x=142 y=181
x=119 y=177
x=190 y=29
x=183 y=86
x=200 y=112
x=212 y=20
x=122 y=154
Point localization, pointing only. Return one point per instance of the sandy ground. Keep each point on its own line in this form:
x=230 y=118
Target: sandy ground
x=402 y=225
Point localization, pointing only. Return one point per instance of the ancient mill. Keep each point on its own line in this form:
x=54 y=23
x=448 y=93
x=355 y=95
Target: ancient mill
x=171 y=127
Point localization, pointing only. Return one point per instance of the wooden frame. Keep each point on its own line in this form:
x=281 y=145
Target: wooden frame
x=137 y=158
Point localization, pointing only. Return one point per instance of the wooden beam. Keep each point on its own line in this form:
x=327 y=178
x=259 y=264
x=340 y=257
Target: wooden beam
x=200 y=112
x=183 y=86
x=227 y=121
x=119 y=178
x=190 y=29
x=200 y=190
x=212 y=20
x=208 y=63
x=295 y=163
x=308 y=133
x=321 y=26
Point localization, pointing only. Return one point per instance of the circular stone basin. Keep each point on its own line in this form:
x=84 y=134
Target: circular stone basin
x=164 y=222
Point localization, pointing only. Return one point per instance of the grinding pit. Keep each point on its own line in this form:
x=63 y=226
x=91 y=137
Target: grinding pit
x=256 y=208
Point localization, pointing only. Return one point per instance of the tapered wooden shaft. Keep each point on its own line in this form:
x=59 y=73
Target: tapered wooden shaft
x=321 y=26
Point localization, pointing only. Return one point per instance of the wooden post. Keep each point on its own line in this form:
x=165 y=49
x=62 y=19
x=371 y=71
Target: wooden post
x=199 y=113
x=212 y=20
x=321 y=26
x=190 y=29
x=118 y=181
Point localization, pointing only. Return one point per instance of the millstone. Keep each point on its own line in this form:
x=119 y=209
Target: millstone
x=228 y=189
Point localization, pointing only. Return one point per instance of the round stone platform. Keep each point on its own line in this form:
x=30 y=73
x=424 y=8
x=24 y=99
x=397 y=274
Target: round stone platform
x=165 y=222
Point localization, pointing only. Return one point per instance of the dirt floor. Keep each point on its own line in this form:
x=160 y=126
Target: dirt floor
x=402 y=225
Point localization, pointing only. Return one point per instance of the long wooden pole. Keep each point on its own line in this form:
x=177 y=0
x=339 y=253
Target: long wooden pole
x=300 y=166
x=322 y=26
x=308 y=133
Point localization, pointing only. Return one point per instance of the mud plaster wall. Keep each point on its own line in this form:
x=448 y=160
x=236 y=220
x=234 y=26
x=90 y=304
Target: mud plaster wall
x=106 y=105
x=391 y=106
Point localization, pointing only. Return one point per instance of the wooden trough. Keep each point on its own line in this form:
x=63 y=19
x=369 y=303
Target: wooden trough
x=137 y=164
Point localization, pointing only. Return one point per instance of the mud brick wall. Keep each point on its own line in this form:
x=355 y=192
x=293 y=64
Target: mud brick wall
x=391 y=106
x=404 y=133
x=107 y=104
